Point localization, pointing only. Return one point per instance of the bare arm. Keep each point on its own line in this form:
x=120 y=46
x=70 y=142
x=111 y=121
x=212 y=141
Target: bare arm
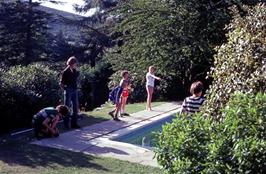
x=183 y=109
x=45 y=123
x=55 y=121
x=157 y=78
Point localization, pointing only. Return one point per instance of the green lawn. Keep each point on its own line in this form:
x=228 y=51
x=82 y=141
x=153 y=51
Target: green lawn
x=18 y=156
x=101 y=114
x=21 y=157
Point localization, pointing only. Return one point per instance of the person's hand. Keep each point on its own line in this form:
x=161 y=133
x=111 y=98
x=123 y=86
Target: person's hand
x=61 y=86
x=55 y=132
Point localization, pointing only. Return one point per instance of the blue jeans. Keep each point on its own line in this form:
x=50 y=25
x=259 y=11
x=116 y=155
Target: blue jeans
x=71 y=99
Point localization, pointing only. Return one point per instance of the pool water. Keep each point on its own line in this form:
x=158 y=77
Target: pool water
x=145 y=136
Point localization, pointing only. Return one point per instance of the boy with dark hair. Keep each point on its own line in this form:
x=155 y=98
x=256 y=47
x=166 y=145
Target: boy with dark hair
x=68 y=83
x=192 y=104
x=45 y=121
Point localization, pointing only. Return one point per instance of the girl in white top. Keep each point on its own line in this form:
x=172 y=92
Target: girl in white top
x=150 y=78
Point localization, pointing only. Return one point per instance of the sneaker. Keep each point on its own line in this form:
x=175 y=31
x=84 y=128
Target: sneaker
x=75 y=126
x=111 y=114
x=117 y=119
x=126 y=114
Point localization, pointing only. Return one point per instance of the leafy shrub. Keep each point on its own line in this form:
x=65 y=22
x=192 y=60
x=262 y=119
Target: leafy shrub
x=195 y=144
x=182 y=146
x=239 y=145
x=25 y=90
x=240 y=63
x=93 y=85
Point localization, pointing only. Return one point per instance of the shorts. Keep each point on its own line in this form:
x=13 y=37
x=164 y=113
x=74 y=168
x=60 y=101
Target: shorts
x=125 y=93
x=38 y=126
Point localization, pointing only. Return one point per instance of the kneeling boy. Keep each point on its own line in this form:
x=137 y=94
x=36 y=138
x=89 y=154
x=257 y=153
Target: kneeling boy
x=45 y=121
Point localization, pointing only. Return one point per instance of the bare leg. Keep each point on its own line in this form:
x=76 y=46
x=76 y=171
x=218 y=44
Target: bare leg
x=149 y=97
x=124 y=101
x=117 y=110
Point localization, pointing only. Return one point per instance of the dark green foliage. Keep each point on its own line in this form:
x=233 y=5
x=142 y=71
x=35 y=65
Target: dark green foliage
x=183 y=144
x=23 y=30
x=24 y=91
x=240 y=64
x=177 y=36
x=239 y=146
x=193 y=144
x=93 y=85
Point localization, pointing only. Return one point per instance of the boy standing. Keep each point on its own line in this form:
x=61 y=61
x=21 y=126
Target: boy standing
x=192 y=104
x=45 y=121
x=69 y=83
x=118 y=95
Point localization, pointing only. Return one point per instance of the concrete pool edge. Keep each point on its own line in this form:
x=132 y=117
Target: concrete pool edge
x=96 y=139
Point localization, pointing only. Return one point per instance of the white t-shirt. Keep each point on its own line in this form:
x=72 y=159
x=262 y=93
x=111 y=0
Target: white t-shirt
x=150 y=78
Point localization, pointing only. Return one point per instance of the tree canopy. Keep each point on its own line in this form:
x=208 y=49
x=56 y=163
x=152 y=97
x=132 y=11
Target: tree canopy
x=178 y=37
x=23 y=32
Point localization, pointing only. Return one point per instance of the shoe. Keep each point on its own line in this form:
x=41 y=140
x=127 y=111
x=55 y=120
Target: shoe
x=75 y=126
x=126 y=114
x=111 y=114
x=117 y=119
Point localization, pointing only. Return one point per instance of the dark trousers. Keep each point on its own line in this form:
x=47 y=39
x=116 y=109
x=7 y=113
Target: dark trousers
x=71 y=99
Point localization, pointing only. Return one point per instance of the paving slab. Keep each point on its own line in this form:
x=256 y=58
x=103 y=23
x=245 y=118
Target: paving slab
x=97 y=139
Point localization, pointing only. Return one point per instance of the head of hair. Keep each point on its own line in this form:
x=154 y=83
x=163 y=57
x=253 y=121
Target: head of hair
x=63 y=109
x=124 y=72
x=196 y=87
x=151 y=68
x=71 y=61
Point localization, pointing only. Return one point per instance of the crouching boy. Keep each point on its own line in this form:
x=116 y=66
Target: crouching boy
x=45 y=121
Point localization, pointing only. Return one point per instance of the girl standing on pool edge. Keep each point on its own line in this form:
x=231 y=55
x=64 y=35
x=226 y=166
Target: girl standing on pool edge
x=150 y=78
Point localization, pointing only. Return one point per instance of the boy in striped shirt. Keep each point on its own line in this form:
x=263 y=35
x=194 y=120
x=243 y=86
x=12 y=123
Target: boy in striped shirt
x=192 y=104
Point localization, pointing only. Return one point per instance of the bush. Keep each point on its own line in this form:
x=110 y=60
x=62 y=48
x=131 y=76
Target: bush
x=240 y=63
x=235 y=145
x=24 y=91
x=93 y=85
x=239 y=145
x=182 y=146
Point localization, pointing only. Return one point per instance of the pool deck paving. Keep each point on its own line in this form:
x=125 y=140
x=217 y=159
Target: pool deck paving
x=97 y=138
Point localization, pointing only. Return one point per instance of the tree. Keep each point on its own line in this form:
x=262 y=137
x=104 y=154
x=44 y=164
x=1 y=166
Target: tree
x=177 y=36
x=23 y=32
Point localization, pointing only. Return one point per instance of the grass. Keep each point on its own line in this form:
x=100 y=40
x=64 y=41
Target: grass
x=18 y=156
x=22 y=157
x=101 y=114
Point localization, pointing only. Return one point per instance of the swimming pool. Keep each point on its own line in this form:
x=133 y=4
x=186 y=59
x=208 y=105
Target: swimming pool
x=145 y=136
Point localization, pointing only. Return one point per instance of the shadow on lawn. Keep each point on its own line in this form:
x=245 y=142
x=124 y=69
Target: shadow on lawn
x=17 y=151
x=24 y=154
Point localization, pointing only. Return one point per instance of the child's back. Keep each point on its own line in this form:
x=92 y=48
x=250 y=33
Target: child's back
x=192 y=104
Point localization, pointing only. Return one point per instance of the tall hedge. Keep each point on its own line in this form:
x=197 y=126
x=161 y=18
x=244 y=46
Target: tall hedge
x=240 y=64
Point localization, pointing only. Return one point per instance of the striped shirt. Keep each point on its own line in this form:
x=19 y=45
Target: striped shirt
x=192 y=104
